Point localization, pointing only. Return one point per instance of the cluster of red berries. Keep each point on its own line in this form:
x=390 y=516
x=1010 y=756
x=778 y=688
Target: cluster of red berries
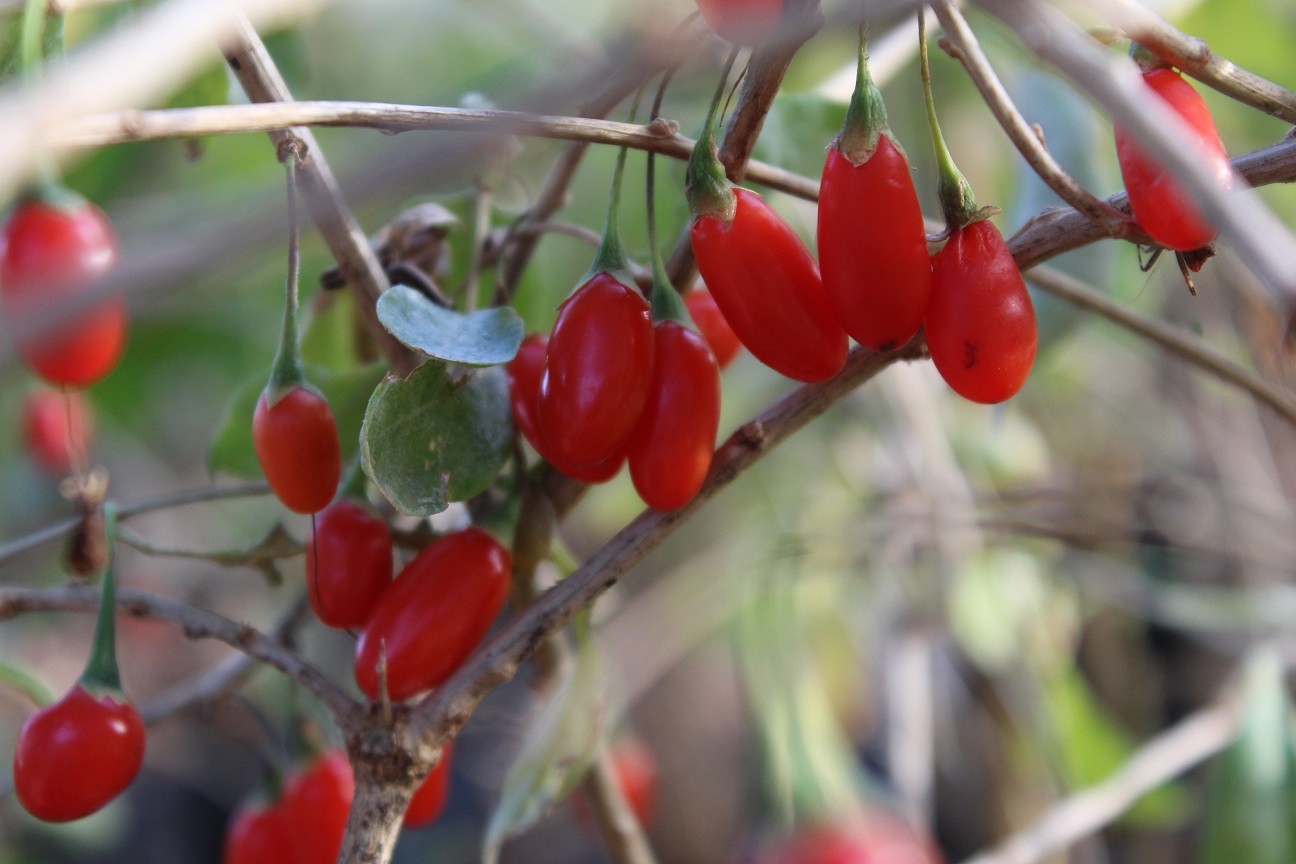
x=304 y=822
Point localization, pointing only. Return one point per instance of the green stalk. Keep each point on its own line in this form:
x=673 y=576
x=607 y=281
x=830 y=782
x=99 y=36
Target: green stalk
x=31 y=36
x=705 y=183
x=866 y=117
x=355 y=485
x=957 y=201
x=101 y=673
x=610 y=257
x=287 y=372
x=28 y=685
x=667 y=305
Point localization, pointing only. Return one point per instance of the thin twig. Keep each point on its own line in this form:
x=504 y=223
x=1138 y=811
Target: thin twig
x=260 y=78
x=1264 y=244
x=1163 y=758
x=1193 y=57
x=1175 y=340
x=963 y=46
x=22 y=545
x=196 y=624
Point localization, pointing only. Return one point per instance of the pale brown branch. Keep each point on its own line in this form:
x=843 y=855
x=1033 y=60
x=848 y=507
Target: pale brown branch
x=1163 y=758
x=260 y=78
x=196 y=624
x=1193 y=57
x=1264 y=244
x=963 y=46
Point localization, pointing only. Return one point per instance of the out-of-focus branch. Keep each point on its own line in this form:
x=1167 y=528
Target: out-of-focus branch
x=1165 y=757
x=260 y=78
x=196 y=624
x=136 y=65
x=962 y=45
x=1264 y=244
x=1194 y=57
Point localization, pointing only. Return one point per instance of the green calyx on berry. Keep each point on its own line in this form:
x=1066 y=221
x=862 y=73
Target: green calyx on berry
x=101 y=676
x=56 y=196
x=957 y=201
x=287 y=372
x=866 y=117
x=705 y=183
x=1145 y=59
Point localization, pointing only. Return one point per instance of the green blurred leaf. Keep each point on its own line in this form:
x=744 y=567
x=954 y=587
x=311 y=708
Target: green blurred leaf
x=432 y=439
x=330 y=338
x=797 y=131
x=208 y=87
x=558 y=751
x=1093 y=747
x=347 y=394
x=487 y=337
x=1249 y=812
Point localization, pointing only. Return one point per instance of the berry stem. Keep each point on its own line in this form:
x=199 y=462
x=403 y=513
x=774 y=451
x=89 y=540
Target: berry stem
x=101 y=673
x=866 y=117
x=666 y=302
x=287 y=372
x=356 y=484
x=31 y=36
x=610 y=256
x=15 y=679
x=957 y=201
x=705 y=182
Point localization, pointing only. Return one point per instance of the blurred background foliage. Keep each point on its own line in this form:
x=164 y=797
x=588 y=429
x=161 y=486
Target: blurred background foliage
x=998 y=603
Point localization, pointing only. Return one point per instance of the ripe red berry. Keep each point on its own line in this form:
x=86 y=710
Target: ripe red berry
x=712 y=325
x=434 y=613
x=57 y=428
x=316 y=805
x=524 y=373
x=1159 y=202
x=768 y=287
x=50 y=254
x=742 y=22
x=348 y=563
x=296 y=443
x=980 y=324
x=878 y=838
x=430 y=797
x=77 y=754
x=872 y=246
x=597 y=372
x=635 y=770
x=670 y=452
x=259 y=834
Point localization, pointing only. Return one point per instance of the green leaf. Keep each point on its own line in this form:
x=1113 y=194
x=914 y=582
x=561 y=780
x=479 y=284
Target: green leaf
x=796 y=131
x=330 y=338
x=208 y=87
x=347 y=393
x=432 y=439
x=1250 y=795
x=487 y=337
x=555 y=756
x=1093 y=747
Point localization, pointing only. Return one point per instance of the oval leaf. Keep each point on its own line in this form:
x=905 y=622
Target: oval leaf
x=487 y=337
x=347 y=394
x=432 y=439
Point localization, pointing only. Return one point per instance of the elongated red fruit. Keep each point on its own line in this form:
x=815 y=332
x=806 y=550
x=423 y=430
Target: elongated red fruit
x=872 y=246
x=316 y=804
x=49 y=254
x=524 y=373
x=77 y=754
x=434 y=613
x=768 y=287
x=980 y=323
x=597 y=372
x=742 y=22
x=296 y=442
x=1157 y=198
x=56 y=429
x=430 y=797
x=259 y=834
x=711 y=323
x=670 y=452
x=348 y=564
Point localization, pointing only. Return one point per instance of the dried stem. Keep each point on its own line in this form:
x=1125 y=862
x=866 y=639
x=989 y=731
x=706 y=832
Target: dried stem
x=962 y=45
x=1264 y=244
x=196 y=624
x=1192 y=740
x=1193 y=57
